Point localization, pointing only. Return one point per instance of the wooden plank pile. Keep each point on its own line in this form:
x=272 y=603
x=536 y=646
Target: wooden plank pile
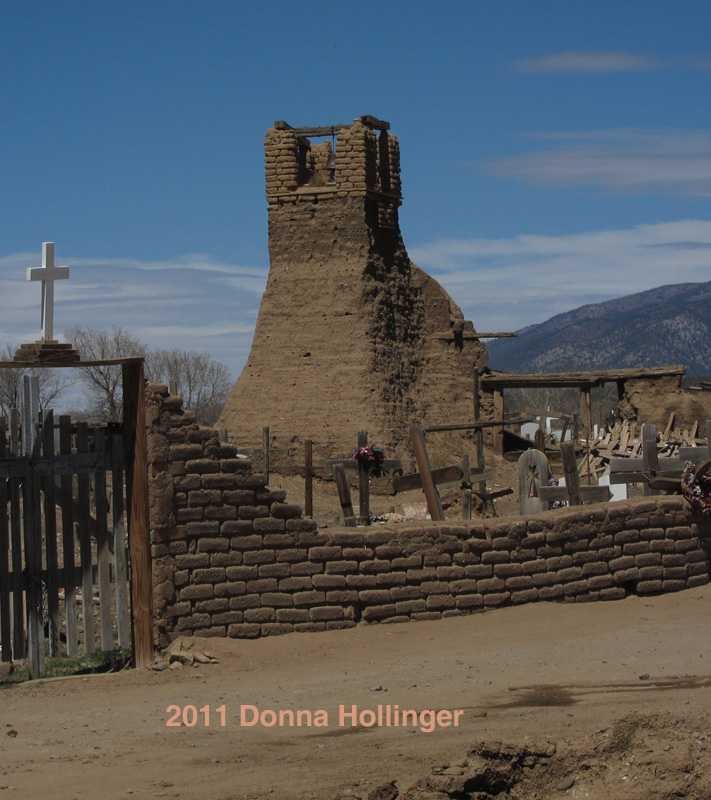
x=630 y=452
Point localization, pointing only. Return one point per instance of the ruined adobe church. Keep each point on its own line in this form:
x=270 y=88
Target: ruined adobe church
x=351 y=335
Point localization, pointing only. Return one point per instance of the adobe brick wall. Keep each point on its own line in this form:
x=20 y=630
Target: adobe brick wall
x=234 y=559
x=209 y=515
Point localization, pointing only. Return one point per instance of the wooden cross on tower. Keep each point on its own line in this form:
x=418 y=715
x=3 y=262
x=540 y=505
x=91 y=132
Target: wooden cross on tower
x=48 y=274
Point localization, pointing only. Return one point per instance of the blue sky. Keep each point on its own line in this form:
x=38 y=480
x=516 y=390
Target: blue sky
x=553 y=154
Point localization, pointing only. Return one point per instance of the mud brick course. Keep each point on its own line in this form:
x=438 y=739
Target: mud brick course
x=231 y=557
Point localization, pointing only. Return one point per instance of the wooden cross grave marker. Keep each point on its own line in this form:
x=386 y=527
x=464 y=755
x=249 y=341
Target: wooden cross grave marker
x=48 y=274
x=429 y=479
x=339 y=467
x=573 y=493
x=658 y=474
x=649 y=466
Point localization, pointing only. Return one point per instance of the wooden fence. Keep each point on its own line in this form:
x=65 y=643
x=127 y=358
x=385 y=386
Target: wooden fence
x=64 y=585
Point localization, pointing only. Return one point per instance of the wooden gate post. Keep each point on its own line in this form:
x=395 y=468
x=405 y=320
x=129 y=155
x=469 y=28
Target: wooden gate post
x=33 y=528
x=134 y=427
x=5 y=618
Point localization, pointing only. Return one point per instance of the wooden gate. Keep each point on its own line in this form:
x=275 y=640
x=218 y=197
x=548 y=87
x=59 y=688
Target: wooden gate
x=64 y=585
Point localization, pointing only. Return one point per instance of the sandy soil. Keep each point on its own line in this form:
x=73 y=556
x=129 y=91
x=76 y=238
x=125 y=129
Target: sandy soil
x=599 y=700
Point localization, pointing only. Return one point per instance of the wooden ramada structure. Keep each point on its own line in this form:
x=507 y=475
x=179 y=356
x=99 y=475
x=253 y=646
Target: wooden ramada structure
x=628 y=381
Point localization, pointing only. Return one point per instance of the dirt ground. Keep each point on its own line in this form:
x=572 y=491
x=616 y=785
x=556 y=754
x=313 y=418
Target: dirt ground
x=593 y=700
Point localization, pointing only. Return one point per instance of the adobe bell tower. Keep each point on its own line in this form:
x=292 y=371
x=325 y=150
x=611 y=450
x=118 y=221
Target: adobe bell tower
x=351 y=335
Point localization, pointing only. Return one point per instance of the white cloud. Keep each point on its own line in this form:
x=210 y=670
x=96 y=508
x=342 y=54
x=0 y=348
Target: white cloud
x=193 y=302
x=506 y=284
x=582 y=61
x=643 y=161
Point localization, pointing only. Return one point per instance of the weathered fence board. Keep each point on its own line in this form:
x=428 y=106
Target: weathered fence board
x=50 y=528
x=5 y=593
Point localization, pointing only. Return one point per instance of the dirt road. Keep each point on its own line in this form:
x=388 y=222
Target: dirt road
x=558 y=672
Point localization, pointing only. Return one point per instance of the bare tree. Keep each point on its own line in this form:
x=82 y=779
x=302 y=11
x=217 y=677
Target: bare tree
x=203 y=383
x=103 y=383
x=51 y=384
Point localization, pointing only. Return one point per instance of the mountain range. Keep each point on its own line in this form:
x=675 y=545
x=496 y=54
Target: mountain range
x=667 y=325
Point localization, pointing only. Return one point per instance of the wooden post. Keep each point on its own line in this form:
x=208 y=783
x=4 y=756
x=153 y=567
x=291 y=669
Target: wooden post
x=344 y=495
x=586 y=411
x=33 y=529
x=50 y=523
x=5 y=619
x=134 y=424
x=265 y=447
x=18 y=594
x=65 y=493
x=309 y=478
x=566 y=420
x=570 y=468
x=543 y=415
x=479 y=432
x=102 y=543
x=87 y=579
x=434 y=501
x=539 y=441
x=363 y=483
x=650 y=456
x=119 y=537
x=499 y=414
x=466 y=488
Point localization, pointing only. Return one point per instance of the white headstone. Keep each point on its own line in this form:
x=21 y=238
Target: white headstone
x=48 y=274
x=528 y=430
x=619 y=490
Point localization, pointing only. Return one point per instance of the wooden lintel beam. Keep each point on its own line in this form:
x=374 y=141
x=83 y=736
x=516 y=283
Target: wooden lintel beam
x=325 y=130
x=374 y=122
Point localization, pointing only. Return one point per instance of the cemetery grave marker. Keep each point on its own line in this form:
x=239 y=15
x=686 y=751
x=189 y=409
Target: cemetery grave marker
x=387 y=464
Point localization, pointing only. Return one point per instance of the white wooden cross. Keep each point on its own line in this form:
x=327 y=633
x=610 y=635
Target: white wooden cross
x=48 y=274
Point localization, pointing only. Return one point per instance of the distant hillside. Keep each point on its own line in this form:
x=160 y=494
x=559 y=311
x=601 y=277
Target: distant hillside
x=667 y=325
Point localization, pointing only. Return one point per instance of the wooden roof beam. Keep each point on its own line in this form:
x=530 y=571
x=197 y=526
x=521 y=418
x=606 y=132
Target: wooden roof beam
x=329 y=130
x=577 y=379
